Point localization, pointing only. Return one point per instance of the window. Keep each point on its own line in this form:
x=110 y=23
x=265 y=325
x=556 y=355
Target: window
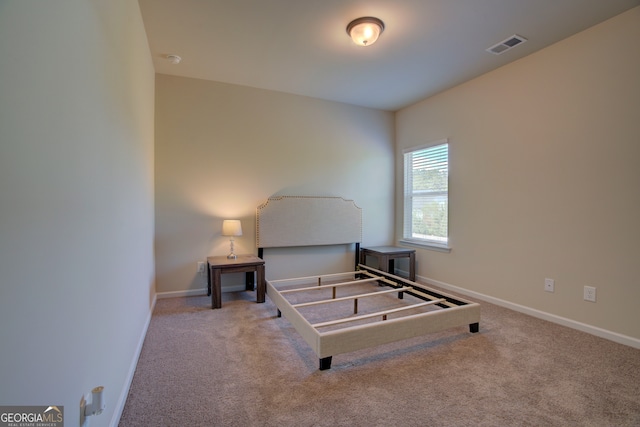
x=426 y=195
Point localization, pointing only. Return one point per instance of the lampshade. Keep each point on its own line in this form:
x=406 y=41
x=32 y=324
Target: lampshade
x=365 y=31
x=231 y=227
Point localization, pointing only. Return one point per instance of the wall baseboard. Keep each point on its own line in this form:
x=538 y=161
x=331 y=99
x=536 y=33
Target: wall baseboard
x=197 y=292
x=187 y=293
x=117 y=413
x=593 y=330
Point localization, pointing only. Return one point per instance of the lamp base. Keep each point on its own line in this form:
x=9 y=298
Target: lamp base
x=232 y=254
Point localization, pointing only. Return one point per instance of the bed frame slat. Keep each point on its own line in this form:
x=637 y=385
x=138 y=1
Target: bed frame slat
x=371 y=294
x=332 y=285
x=376 y=314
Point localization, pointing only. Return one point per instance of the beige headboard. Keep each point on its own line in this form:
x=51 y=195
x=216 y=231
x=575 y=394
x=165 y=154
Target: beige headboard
x=288 y=221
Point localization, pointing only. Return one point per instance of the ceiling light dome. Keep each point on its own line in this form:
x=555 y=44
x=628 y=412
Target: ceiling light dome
x=365 y=31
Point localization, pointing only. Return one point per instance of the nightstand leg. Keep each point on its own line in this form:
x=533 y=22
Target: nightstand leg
x=412 y=266
x=261 y=285
x=216 y=289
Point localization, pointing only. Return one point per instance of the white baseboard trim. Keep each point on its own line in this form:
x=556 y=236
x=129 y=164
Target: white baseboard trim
x=197 y=292
x=117 y=413
x=187 y=293
x=593 y=330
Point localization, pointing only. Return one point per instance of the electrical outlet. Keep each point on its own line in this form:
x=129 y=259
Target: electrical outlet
x=200 y=267
x=590 y=293
x=549 y=285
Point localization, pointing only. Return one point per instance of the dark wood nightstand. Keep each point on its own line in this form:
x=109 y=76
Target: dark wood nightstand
x=386 y=256
x=219 y=265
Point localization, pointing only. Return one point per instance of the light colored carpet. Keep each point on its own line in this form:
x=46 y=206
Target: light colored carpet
x=243 y=366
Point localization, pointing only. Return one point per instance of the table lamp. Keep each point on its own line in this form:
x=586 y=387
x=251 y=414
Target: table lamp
x=231 y=227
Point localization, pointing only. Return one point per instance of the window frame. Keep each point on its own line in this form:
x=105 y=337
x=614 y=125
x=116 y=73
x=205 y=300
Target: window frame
x=407 y=211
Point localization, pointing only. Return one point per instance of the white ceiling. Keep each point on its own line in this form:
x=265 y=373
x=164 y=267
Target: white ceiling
x=301 y=46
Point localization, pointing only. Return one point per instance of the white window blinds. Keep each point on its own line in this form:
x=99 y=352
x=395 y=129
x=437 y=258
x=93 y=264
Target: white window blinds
x=426 y=193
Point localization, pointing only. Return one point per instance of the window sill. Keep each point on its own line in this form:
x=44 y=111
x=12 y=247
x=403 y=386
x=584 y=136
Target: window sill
x=432 y=246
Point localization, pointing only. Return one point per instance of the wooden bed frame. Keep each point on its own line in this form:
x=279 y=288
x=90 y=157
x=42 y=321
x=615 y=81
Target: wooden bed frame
x=290 y=221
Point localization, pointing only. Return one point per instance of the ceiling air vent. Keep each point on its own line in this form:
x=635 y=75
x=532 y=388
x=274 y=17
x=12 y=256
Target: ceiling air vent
x=507 y=44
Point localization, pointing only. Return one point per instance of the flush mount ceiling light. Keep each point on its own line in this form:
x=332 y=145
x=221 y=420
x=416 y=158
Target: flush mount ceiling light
x=365 y=31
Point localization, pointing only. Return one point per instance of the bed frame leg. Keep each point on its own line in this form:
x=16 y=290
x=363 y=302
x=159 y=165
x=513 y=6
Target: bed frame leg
x=474 y=327
x=325 y=363
x=279 y=313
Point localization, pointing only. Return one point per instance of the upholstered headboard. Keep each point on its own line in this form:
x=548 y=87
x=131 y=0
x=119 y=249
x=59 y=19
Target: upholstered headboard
x=287 y=221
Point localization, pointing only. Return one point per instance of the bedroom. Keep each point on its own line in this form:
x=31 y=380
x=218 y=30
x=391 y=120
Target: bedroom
x=58 y=258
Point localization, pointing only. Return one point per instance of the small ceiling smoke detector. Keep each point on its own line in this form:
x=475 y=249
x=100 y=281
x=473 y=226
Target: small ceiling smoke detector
x=174 y=59
x=506 y=44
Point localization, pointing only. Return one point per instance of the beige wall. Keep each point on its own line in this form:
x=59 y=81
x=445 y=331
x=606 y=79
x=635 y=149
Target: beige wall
x=222 y=150
x=76 y=201
x=544 y=178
